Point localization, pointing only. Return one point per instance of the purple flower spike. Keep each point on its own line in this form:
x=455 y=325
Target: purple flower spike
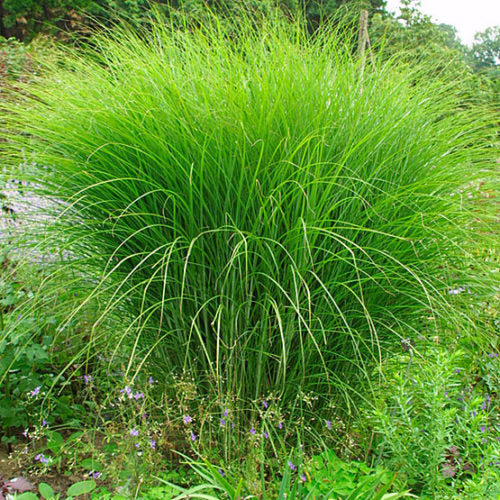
x=138 y=395
x=25 y=433
x=303 y=478
x=329 y=425
x=87 y=378
x=225 y=412
x=134 y=432
x=193 y=437
x=252 y=431
x=482 y=428
x=35 y=391
x=280 y=425
x=222 y=422
x=266 y=435
x=265 y=405
x=151 y=380
x=291 y=465
x=44 y=423
x=187 y=419
x=152 y=443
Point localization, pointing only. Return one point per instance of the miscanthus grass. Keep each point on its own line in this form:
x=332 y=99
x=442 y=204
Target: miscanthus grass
x=252 y=211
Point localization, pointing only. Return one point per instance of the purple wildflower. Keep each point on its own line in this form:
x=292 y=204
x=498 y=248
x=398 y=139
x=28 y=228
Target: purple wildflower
x=303 y=478
x=137 y=445
x=482 y=428
x=280 y=425
x=25 y=433
x=35 y=391
x=128 y=391
x=193 y=437
x=134 y=432
x=457 y=370
x=87 y=378
x=187 y=419
x=151 y=380
x=483 y=405
x=445 y=394
x=222 y=422
x=152 y=443
x=225 y=412
x=266 y=435
x=44 y=423
x=265 y=405
x=96 y=475
x=138 y=395
x=291 y=465
x=329 y=425
x=493 y=355
x=42 y=458
x=222 y=473
x=252 y=431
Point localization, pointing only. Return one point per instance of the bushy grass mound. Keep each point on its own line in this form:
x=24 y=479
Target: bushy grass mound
x=256 y=213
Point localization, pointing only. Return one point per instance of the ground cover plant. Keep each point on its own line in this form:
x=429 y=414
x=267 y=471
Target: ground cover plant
x=247 y=227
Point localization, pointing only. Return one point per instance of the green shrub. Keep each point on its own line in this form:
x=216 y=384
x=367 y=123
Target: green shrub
x=255 y=213
x=436 y=422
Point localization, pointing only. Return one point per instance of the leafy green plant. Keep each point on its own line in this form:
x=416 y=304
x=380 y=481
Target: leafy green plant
x=435 y=424
x=318 y=478
x=255 y=214
x=47 y=492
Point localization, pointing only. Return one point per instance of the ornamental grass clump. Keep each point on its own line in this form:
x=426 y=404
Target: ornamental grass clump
x=254 y=212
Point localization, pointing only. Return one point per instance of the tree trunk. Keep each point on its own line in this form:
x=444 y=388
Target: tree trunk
x=3 y=31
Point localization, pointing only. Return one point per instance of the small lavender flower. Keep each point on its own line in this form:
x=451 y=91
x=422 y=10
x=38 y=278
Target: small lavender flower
x=303 y=478
x=329 y=425
x=151 y=380
x=96 y=475
x=138 y=395
x=482 y=428
x=445 y=394
x=280 y=425
x=128 y=391
x=493 y=355
x=483 y=405
x=44 y=423
x=152 y=443
x=87 y=378
x=42 y=458
x=457 y=370
x=265 y=405
x=187 y=419
x=252 y=431
x=25 y=433
x=35 y=391
x=291 y=465
x=221 y=472
x=193 y=437
x=266 y=435
x=222 y=422
x=137 y=445
x=224 y=414
x=134 y=432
